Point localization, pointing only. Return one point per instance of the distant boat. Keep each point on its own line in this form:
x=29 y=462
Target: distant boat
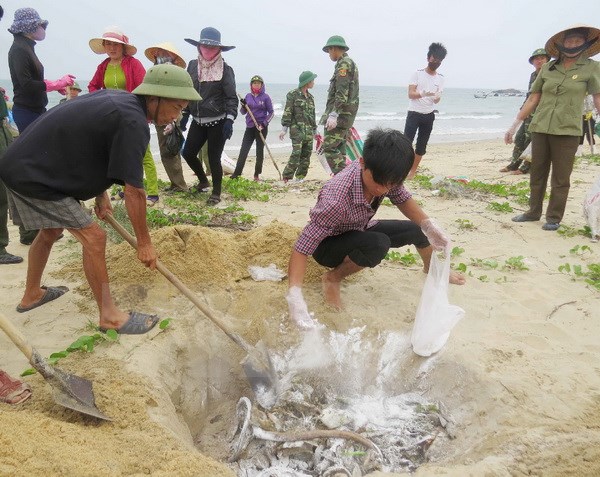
x=499 y=92
x=480 y=94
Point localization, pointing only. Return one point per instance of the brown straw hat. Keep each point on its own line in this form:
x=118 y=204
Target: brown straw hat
x=116 y=36
x=167 y=46
x=592 y=35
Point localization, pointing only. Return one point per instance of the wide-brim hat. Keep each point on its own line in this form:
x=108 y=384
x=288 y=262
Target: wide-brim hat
x=305 y=78
x=558 y=39
x=538 y=52
x=210 y=36
x=167 y=46
x=116 y=36
x=336 y=40
x=27 y=20
x=168 y=81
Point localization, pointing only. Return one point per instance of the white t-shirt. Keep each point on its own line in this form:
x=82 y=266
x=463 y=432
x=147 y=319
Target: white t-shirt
x=425 y=82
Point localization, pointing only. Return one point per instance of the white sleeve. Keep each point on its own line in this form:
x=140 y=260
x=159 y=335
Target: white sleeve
x=414 y=79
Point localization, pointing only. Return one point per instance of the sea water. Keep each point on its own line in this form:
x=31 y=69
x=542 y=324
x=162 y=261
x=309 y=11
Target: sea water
x=460 y=117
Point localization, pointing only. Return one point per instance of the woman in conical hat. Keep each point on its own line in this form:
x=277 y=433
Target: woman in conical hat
x=557 y=95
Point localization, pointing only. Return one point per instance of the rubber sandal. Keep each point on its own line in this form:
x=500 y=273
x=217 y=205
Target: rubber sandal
x=52 y=293
x=203 y=187
x=9 y=259
x=213 y=200
x=524 y=218
x=13 y=391
x=137 y=324
x=550 y=226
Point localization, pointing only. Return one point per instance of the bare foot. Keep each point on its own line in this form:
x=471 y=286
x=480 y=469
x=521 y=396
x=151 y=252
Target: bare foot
x=517 y=172
x=331 y=291
x=457 y=278
x=505 y=169
x=114 y=321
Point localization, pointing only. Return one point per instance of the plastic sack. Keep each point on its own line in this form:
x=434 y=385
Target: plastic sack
x=270 y=273
x=435 y=316
x=174 y=141
x=591 y=210
x=227 y=163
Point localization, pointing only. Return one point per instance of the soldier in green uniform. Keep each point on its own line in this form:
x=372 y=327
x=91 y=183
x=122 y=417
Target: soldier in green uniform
x=342 y=103
x=299 y=118
x=522 y=139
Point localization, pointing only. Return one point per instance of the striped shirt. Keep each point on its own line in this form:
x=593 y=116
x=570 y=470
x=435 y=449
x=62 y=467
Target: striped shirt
x=342 y=207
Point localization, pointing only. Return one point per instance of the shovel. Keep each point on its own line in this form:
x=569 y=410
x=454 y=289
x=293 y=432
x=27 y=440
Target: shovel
x=257 y=364
x=69 y=391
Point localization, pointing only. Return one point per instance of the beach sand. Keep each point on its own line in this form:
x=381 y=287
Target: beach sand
x=518 y=379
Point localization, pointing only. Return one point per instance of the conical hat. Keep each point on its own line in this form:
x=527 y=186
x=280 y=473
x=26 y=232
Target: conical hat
x=558 y=38
x=167 y=46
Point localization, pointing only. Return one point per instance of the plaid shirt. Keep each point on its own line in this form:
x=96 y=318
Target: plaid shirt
x=341 y=207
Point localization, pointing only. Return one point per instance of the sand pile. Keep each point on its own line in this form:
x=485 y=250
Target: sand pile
x=203 y=256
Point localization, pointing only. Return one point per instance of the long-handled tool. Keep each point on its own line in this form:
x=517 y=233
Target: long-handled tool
x=590 y=130
x=257 y=364
x=261 y=135
x=69 y=391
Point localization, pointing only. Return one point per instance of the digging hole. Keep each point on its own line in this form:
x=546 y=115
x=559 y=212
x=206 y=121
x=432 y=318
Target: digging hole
x=349 y=405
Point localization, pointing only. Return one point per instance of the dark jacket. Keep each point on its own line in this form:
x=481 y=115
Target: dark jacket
x=27 y=75
x=219 y=98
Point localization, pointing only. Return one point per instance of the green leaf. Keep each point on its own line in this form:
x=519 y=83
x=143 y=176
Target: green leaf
x=28 y=372
x=112 y=335
x=59 y=355
x=164 y=324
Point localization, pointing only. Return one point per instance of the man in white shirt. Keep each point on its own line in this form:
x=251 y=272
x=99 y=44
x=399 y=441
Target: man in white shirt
x=425 y=90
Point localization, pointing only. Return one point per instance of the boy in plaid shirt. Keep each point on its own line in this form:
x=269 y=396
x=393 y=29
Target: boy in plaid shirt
x=341 y=233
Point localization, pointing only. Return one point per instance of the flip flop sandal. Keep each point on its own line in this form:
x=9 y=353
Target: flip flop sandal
x=9 y=259
x=13 y=391
x=213 y=200
x=137 y=324
x=52 y=293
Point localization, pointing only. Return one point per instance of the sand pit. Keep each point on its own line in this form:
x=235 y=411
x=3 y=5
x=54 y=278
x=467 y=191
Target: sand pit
x=515 y=391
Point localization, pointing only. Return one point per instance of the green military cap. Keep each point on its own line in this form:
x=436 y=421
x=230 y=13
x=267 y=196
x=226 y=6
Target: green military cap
x=305 y=78
x=168 y=81
x=75 y=85
x=336 y=40
x=538 y=52
x=256 y=78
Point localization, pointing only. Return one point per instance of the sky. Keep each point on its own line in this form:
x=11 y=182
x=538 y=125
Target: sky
x=488 y=42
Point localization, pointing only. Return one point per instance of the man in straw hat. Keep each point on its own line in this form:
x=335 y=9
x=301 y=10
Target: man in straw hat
x=556 y=127
x=103 y=145
x=160 y=54
x=517 y=165
x=342 y=103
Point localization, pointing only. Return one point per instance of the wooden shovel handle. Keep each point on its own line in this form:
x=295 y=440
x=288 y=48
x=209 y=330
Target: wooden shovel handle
x=180 y=286
x=16 y=336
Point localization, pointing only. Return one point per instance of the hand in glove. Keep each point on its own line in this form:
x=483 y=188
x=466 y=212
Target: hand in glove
x=243 y=102
x=331 y=122
x=298 y=309
x=424 y=94
x=59 y=84
x=436 y=236
x=184 y=120
x=227 y=128
x=508 y=137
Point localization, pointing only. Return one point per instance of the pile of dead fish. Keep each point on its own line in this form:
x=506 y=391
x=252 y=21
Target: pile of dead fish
x=315 y=432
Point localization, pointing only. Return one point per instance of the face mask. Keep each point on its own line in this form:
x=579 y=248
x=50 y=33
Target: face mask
x=162 y=60
x=209 y=53
x=577 y=50
x=255 y=89
x=39 y=34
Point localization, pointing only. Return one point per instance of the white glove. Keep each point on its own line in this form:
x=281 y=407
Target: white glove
x=168 y=128
x=437 y=96
x=508 y=137
x=298 y=309
x=436 y=236
x=331 y=121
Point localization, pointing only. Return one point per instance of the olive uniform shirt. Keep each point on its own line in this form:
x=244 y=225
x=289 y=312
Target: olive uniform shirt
x=563 y=91
x=342 y=96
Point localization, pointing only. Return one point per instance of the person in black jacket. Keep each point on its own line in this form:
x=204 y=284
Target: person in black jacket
x=214 y=114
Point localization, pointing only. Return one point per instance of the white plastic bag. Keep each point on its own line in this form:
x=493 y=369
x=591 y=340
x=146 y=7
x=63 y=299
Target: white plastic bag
x=591 y=209
x=435 y=316
x=227 y=163
x=270 y=273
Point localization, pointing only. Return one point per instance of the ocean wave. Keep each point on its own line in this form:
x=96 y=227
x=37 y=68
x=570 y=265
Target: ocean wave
x=441 y=116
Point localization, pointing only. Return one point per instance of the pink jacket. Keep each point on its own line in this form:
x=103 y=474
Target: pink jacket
x=134 y=74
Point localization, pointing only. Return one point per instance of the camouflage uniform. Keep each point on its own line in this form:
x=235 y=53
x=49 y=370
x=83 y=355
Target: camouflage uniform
x=522 y=139
x=299 y=117
x=342 y=99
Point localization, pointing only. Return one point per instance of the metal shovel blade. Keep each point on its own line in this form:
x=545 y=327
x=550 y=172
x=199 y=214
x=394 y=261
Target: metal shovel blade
x=69 y=390
x=261 y=375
